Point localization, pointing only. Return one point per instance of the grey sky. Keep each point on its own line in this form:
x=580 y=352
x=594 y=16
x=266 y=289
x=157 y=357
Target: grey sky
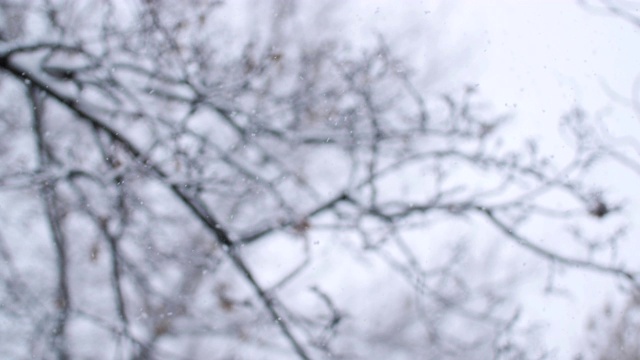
x=537 y=60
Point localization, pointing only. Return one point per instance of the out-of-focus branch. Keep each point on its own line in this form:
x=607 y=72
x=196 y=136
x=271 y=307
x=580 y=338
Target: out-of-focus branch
x=194 y=204
x=54 y=218
x=554 y=257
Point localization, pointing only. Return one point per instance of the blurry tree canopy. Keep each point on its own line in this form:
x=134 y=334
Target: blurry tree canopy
x=612 y=333
x=176 y=186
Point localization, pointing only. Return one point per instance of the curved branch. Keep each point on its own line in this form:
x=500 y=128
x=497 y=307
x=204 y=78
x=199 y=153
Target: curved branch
x=542 y=252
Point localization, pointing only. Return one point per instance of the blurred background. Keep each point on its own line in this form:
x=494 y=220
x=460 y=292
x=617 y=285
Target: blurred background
x=319 y=179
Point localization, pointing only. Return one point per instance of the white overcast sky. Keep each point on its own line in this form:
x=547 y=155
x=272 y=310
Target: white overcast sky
x=546 y=56
x=542 y=55
x=536 y=59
